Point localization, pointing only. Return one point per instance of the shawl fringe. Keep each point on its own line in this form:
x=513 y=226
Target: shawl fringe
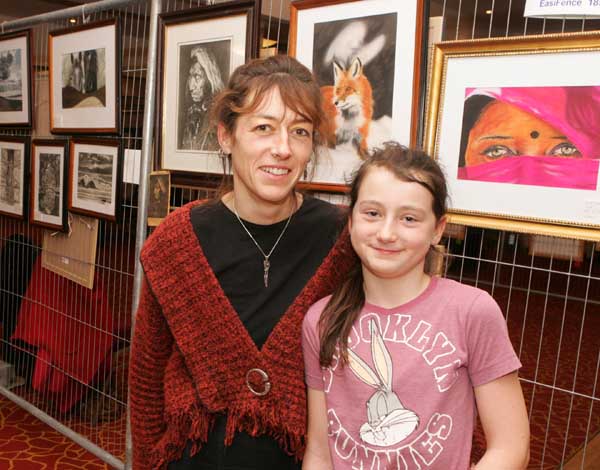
x=191 y=424
x=263 y=420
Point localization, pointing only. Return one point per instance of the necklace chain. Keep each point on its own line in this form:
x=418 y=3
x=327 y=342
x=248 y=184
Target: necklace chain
x=266 y=262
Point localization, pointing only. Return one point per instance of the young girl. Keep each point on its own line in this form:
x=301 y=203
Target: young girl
x=398 y=363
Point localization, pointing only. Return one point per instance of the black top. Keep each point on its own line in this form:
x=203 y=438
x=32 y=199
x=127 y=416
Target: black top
x=238 y=266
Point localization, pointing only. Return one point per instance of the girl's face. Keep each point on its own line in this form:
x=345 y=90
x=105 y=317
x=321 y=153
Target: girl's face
x=270 y=148
x=392 y=226
x=504 y=130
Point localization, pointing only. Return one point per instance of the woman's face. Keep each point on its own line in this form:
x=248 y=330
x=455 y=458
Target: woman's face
x=504 y=130
x=270 y=148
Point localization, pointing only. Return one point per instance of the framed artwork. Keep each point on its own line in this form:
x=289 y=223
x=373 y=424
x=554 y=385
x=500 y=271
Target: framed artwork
x=367 y=57
x=159 y=198
x=14 y=176
x=15 y=79
x=199 y=49
x=85 y=74
x=94 y=177
x=49 y=170
x=520 y=146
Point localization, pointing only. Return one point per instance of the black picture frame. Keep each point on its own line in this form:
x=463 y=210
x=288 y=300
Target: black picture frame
x=194 y=24
x=89 y=177
x=44 y=175
x=16 y=92
x=14 y=205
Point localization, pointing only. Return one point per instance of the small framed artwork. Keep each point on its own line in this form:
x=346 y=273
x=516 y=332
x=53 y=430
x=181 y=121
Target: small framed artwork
x=520 y=146
x=94 y=177
x=367 y=57
x=85 y=79
x=49 y=170
x=15 y=79
x=14 y=176
x=199 y=49
x=159 y=197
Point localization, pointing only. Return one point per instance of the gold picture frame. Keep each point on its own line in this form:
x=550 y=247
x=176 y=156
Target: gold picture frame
x=531 y=75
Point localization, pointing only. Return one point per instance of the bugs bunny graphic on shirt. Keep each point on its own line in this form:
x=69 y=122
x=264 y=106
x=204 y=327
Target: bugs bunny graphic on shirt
x=388 y=421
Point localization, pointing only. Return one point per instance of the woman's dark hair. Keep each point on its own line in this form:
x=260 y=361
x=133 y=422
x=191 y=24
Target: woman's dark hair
x=342 y=310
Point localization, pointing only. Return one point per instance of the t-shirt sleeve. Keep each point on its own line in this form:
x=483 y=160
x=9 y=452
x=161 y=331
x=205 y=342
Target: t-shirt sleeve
x=310 y=347
x=491 y=354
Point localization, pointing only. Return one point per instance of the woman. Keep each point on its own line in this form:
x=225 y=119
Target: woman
x=541 y=136
x=217 y=379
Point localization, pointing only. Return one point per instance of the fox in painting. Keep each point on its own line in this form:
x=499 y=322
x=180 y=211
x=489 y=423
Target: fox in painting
x=348 y=105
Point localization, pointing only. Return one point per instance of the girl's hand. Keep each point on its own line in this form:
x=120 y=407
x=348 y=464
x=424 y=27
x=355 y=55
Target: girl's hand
x=317 y=455
x=503 y=415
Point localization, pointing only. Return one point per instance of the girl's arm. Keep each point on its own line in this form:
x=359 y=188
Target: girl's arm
x=503 y=415
x=317 y=455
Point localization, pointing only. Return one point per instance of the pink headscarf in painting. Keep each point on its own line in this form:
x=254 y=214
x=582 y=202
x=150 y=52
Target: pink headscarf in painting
x=573 y=110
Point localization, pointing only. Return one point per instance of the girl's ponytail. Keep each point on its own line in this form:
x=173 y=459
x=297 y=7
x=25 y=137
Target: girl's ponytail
x=339 y=315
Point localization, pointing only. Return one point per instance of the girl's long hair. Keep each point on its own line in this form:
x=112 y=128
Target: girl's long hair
x=347 y=301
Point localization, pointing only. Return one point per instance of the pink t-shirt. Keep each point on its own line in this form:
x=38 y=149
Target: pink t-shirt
x=406 y=399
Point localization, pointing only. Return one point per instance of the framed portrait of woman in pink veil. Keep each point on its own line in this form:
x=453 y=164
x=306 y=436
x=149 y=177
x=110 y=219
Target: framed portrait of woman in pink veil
x=518 y=133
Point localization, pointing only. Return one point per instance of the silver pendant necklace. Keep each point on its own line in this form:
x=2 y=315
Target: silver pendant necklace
x=266 y=262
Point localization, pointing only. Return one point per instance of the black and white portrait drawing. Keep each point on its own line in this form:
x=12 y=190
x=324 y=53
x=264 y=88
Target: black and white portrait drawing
x=354 y=62
x=50 y=184
x=203 y=72
x=11 y=171
x=11 y=80
x=95 y=178
x=84 y=79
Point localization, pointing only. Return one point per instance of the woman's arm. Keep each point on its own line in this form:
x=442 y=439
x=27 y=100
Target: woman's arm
x=150 y=351
x=503 y=415
x=317 y=455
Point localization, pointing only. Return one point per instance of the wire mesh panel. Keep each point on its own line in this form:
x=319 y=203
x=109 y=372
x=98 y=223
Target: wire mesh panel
x=64 y=347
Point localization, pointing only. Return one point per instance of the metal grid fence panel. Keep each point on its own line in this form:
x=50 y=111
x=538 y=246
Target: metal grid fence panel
x=66 y=349
x=548 y=288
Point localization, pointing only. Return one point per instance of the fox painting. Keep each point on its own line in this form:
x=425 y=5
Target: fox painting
x=348 y=104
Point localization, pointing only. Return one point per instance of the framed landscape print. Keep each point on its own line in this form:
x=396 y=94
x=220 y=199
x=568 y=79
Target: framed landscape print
x=15 y=79
x=14 y=176
x=85 y=79
x=95 y=177
x=520 y=146
x=367 y=57
x=49 y=170
x=199 y=49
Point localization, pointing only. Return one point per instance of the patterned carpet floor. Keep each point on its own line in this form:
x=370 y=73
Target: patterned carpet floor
x=26 y=443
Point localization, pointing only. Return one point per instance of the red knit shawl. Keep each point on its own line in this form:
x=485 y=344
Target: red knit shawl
x=206 y=370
